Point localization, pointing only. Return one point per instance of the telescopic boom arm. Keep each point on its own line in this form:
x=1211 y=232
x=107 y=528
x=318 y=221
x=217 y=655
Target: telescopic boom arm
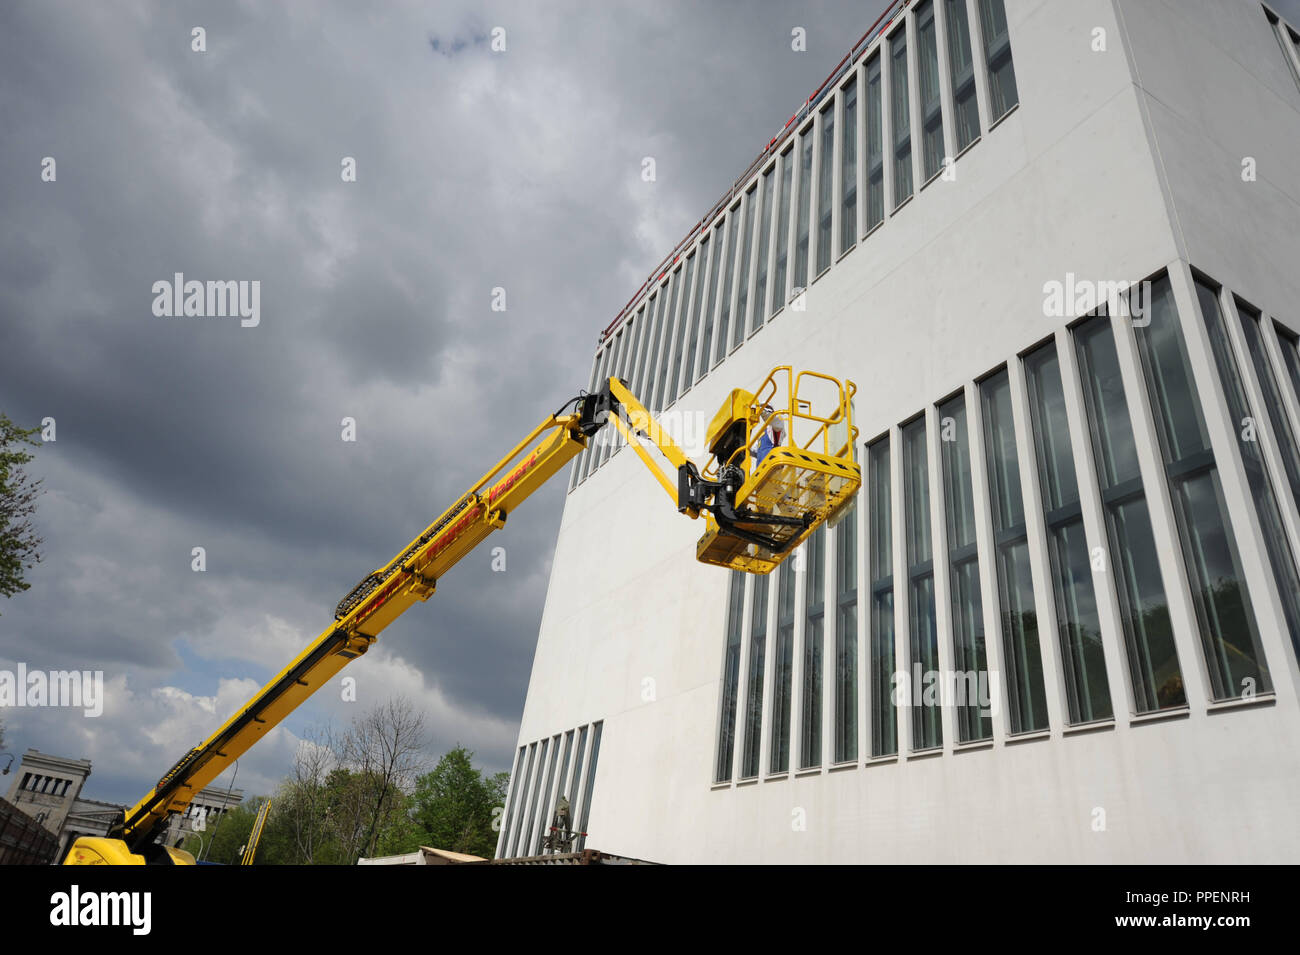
x=412 y=576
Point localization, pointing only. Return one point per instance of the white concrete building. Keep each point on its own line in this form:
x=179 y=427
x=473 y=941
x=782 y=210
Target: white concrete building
x=1093 y=517
x=48 y=788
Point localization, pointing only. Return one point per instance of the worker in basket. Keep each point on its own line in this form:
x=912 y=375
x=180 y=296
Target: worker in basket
x=773 y=436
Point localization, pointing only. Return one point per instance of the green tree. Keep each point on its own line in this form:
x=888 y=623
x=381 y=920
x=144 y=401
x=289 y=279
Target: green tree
x=454 y=803
x=301 y=798
x=19 y=543
x=277 y=845
x=221 y=841
x=348 y=794
x=385 y=746
x=224 y=841
x=401 y=834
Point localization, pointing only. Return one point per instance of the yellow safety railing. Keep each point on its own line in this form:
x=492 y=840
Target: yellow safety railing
x=798 y=417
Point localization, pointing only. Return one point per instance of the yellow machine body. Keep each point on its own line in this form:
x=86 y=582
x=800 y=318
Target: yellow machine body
x=737 y=415
x=97 y=850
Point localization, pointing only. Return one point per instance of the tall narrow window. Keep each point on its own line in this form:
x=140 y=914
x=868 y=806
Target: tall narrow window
x=675 y=387
x=1153 y=662
x=697 y=323
x=1073 y=580
x=810 y=725
x=636 y=378
x=764 y=240
x=849 y=166
x=846 y=637
x=654 y=333
x=588 y=460
x=923 y=638
x=584 y=815
x=601 y=451
x=534 y=771
x=724 y=316
x=730 y=679
x=804 y=211
x=512 y=810
x=575 y=478
x=969 y=657
x=927 y=82
x=826 y=189
x=783 y=670
x=1273 y=406
x=617 y=362
x=575 y=781
x=1289 y=345
x=633 y=328
x=1022 y=657
x=884 y=717
x=545 y=804
x=754 y=689
x=662 y=396
x=706 y=337
x=997 y=53
x=742 y=287
x=627 y=367
x=961 y=65
x=781 y=266
x=875 y=147
x=661 y=340
x=1289 y=42
x=901 y=117
x=1233 y=654
x=1219 y=591
x=1290 y=348
x=533 y=796
x=562 y=786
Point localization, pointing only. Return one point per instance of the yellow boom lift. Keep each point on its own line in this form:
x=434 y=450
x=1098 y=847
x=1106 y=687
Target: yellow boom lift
x=781 y=464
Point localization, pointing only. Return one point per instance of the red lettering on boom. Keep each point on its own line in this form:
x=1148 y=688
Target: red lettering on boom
x=449 y=536
x=500 y=490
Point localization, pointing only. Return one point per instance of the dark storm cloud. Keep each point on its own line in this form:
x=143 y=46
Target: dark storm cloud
x=475 y=170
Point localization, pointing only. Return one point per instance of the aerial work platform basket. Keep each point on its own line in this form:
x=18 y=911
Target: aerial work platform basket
x=782 y=464
x=788 y=448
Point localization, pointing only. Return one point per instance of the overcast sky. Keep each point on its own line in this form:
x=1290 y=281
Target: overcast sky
x=475 y=169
